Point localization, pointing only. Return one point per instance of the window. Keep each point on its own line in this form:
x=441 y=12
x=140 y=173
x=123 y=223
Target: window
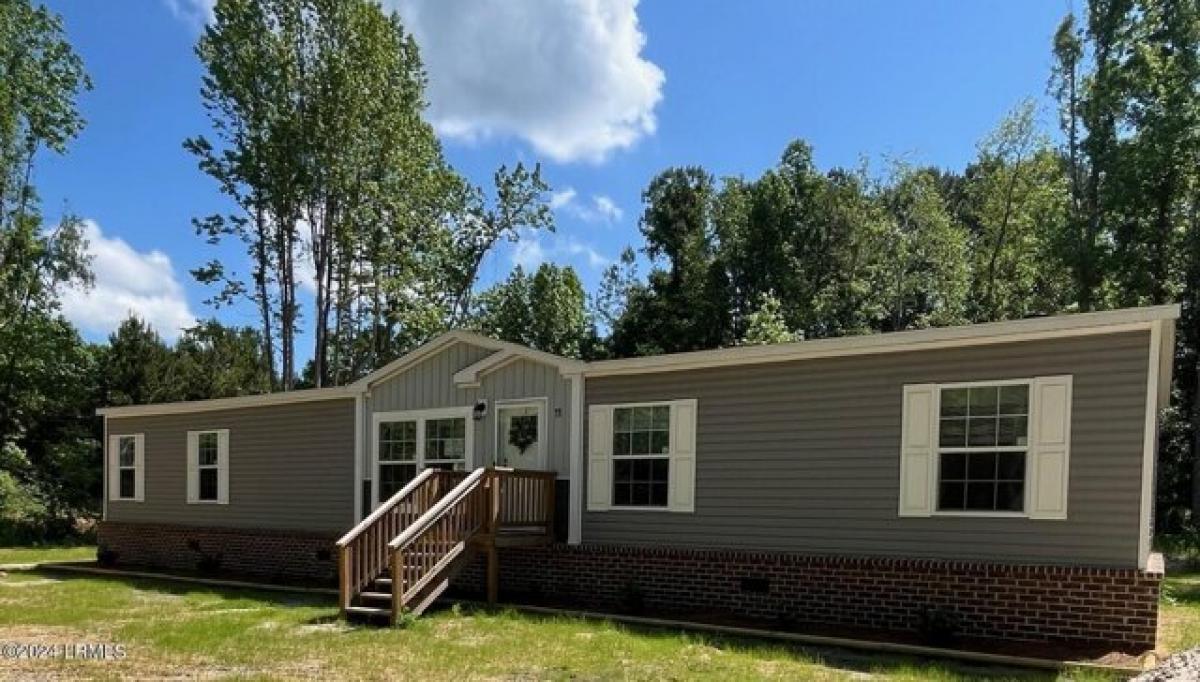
x=125 y=453
x=208 y=467
x=397 y=456
x=982 y=445
x=407 y=442
x=641 y=455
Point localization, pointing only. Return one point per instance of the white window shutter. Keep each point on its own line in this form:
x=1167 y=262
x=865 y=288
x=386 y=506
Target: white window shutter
x=1050 y=451
x=917 y=450
x=599 y=488
x=682 y=493
x=223 y=466
x=139 y=463
x=193 y=462
x=114 y=475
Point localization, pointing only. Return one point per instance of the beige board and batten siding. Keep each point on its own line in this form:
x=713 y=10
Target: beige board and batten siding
x=804 y=456
x=429 y=384
x=291 y=467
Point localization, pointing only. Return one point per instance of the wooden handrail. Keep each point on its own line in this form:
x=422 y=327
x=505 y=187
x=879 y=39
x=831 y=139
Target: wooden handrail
x=363 y=552
x=428 y=518
x=387 y=505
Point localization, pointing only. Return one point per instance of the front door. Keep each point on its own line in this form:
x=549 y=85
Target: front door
x=520 y=435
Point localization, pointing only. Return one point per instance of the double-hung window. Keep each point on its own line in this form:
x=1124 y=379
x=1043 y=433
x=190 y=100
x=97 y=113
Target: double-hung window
x=126 y=462
x=986 y=448
x=642 y=456
x=983 y=442
x=208 y=466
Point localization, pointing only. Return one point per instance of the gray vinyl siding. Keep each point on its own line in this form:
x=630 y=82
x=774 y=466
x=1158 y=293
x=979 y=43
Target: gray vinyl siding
x=804 y=456
x=430 y=384
x=290 y=467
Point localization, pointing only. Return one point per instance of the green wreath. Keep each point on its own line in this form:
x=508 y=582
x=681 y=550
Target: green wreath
x=522 y=432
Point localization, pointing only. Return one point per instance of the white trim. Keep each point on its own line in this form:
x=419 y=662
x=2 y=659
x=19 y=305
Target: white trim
x=222 y=466
x=540 y=403
x=113 y=468
x=1150 y=443
x=469 y=376
x=240 y=402
x=575 y=466
x=359 y=402
x=1059 y=326
x=420 y=417
x=104 y=475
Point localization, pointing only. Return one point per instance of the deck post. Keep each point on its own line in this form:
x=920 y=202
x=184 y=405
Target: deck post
x=551 y=483
x=343 y=579
x=493 y=524
x=397 y=584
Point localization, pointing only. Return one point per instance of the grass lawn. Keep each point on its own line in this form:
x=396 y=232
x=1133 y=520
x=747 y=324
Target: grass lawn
x=178 y=630
x=29 y=555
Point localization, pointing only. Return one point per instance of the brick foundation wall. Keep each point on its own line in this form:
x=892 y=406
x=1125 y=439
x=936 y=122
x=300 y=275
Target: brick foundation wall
x=1109 y=606
x=276 y=555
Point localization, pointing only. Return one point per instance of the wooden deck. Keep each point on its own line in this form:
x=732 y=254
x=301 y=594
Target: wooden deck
x=402 y=557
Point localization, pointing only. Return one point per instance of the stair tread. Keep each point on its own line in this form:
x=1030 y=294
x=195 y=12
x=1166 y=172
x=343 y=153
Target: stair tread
x=375 y=595
x=368 y=610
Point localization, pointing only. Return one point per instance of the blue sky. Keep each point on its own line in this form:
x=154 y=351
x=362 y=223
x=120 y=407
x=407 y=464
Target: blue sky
x=605 y=93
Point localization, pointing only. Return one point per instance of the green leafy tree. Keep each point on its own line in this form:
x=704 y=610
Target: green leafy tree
x=140 y=367
x=766 y=324
x=212 y=360
x=546 y=310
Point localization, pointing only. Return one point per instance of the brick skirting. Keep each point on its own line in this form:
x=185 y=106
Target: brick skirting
x=277 y=555
x=1117 y=607
x=1110 y=606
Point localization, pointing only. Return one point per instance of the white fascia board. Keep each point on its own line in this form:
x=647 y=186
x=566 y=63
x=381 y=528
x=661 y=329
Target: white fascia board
x=238 y=403
x=1061 y=326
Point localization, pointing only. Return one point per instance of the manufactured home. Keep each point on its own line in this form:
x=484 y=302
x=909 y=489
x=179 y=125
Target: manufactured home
x=999 y=477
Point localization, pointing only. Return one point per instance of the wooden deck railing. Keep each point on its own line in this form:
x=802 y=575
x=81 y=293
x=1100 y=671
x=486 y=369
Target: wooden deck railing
x=488 y=502
x=527 y=499
x=425 y=548
x=363 y=552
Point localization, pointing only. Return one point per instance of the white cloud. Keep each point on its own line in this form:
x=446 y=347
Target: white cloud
x=599 y=209
x=568 y=76
x=563 y=198
x=197 y=13
x=127 y=282
x=530 y=252
x=607 y=208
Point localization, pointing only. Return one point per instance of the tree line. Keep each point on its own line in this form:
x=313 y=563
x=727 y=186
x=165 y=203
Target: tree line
x=334 y=181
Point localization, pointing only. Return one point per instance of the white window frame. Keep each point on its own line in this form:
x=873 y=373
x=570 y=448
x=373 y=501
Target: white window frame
x=681 y=462
x=1028 y=448
x=194 y=467
x=420 y=417
x=517 y=403
x=115 y=468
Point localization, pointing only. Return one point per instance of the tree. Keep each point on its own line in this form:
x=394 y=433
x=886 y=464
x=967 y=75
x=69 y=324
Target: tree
x=139 y=367
x=215 y=361
x=1015 y=208
x=317 y=106
x=546 y=310
x=766 y=324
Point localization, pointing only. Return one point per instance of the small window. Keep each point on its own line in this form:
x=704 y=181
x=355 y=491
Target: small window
x=983 y=440
x=397 y=456
x=208 y=463
x=641 y=456
x=126 y=467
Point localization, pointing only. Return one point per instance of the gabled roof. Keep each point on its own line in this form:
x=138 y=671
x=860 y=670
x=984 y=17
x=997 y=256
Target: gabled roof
x=505 y=350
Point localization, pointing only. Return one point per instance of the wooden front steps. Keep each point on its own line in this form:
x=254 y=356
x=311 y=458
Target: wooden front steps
x=401 y=558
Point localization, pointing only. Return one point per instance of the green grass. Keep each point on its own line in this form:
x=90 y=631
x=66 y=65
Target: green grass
x=35 y=554
x=177 y=630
